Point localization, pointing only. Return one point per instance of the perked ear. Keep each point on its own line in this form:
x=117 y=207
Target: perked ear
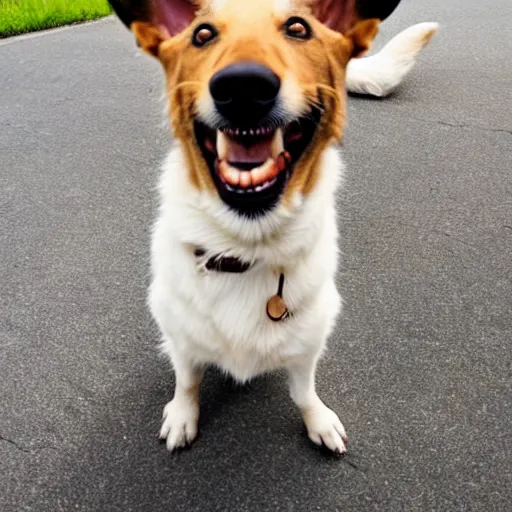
x=362 y=35
x=341 y=15
x=152 y=21
x=148 y=36
x=173 y=16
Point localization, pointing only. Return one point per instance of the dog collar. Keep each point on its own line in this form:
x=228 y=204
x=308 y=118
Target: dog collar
x=226 y=264
x=276 y=306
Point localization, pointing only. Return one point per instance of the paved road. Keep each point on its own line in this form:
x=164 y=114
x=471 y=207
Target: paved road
x=419 y=366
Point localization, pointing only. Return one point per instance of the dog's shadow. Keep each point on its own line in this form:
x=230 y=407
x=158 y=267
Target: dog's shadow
x=222 y=395
x=252 y=451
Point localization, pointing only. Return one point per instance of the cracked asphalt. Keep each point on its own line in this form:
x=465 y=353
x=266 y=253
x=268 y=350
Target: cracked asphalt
x=419 y=367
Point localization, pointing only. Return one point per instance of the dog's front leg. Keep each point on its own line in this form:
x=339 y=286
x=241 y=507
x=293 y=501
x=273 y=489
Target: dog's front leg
x=323 y=424
x=181 y=414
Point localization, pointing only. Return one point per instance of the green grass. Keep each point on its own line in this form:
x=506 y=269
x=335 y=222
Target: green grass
x=19 y=16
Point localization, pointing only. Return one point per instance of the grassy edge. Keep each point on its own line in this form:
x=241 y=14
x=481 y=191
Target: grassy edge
x=51 y=22
x=50 y=26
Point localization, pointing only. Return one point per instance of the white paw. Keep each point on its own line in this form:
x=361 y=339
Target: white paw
x=179 y=426
x=325 y=428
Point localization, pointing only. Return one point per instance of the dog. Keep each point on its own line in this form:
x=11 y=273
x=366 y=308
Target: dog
x=245 y=250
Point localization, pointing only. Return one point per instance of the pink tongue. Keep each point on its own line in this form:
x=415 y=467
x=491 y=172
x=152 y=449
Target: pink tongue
x=257 y=153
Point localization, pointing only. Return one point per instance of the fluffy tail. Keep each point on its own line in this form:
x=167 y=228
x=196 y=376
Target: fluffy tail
x=380 y=74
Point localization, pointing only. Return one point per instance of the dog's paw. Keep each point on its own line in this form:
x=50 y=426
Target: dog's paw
x=179 y=427
x=325 y=428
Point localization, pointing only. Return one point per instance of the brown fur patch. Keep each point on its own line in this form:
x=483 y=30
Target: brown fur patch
x=253 y=31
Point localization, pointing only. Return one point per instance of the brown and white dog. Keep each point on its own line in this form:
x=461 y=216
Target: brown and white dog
x=244 y=251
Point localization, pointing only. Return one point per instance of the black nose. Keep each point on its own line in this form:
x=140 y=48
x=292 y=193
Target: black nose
x=244 y=93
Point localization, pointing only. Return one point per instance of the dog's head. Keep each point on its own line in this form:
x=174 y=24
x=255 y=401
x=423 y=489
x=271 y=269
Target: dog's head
x=256 y=88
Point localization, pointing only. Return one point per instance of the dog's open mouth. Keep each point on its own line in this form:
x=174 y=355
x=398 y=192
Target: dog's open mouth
x=251 y=166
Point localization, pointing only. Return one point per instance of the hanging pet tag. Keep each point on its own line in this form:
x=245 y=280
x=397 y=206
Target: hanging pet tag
x=276 y=306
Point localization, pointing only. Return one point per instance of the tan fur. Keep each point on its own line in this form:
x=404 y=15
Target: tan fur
x=252 y=31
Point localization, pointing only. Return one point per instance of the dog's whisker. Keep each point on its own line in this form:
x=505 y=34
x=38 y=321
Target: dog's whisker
x=328 y=90
x=183 y=85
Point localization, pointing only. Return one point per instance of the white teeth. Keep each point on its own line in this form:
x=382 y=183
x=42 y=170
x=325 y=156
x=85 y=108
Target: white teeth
x=277 y=146
x=267 y=130
x=222 y=145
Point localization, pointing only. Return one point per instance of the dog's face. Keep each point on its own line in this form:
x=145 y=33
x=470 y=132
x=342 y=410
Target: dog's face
x=256 y=89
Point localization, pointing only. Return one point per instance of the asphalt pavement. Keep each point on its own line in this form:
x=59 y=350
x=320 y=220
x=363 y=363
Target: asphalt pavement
x=419 y=367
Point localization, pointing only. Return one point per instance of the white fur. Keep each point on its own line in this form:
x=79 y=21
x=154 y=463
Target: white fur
x=280 y=6
x=380 y=74
x=210 y=318
x=217 y=5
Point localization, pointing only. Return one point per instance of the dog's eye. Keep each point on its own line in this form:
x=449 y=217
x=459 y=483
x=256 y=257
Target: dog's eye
x=203 y=34
x=297 y=28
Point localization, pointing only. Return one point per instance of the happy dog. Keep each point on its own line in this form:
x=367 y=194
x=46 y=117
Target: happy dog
x=244 y=249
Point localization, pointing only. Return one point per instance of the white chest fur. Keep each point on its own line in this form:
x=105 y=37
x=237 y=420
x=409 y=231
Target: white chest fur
x=220 y=318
